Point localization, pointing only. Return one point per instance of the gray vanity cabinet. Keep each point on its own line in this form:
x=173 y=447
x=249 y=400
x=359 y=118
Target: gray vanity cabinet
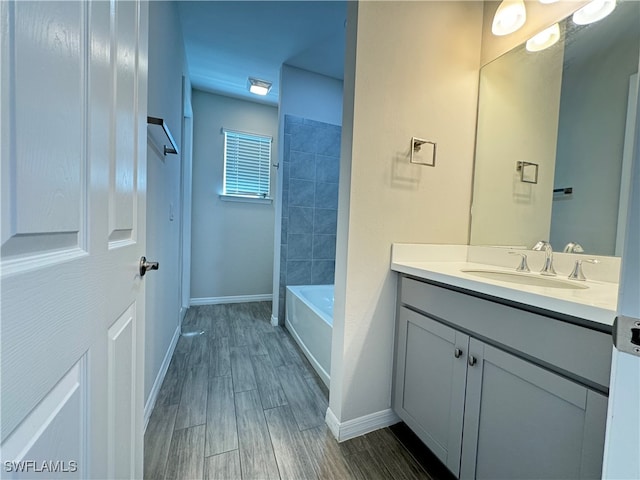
x=489 y=410
x=522 y=421
x=431 y=392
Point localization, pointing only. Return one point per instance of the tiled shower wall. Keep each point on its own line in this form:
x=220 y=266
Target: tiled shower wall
x=311 y=166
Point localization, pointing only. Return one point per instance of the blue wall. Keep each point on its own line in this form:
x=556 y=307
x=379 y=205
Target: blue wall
x=311 y=165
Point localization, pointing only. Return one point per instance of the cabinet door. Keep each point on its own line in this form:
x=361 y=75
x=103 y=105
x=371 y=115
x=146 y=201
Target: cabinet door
x=522 y=421
x=430 y=383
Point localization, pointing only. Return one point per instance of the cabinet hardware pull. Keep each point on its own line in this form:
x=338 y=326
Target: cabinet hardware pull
x=472 y=360
x=457 y=353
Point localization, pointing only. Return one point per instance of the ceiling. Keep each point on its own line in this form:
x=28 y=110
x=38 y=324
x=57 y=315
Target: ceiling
x=228 y=41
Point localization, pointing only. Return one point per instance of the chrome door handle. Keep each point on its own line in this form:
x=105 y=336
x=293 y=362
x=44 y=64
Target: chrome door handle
x=145 y=265
x=457 y=353
x=472 y=360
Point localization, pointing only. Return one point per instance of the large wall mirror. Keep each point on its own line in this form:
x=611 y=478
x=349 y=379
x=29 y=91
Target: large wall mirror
x=554 y=138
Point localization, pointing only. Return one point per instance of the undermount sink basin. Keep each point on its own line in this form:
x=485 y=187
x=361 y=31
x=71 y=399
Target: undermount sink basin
x=531 y=279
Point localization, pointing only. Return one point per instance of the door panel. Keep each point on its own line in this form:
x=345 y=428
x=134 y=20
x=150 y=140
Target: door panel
x=121 y=365
x=73 y=230
x=522 y=421
x=433 y=385
x=48 y=53
x=61 y=414
x=121 y=188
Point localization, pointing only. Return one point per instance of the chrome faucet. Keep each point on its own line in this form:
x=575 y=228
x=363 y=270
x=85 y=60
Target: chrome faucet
x=522 y=267
x=576 y=273
x=547 y=269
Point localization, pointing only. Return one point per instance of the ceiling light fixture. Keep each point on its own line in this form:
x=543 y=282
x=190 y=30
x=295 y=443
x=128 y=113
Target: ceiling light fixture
x=548 y=1
x=594 y=11
x=259 y=87
x=544 y=39
x=509 y=17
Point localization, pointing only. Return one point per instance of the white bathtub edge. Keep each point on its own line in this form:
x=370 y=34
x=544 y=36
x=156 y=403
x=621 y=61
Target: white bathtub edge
x=361 y=425
x=296 y=290
x=322 y=373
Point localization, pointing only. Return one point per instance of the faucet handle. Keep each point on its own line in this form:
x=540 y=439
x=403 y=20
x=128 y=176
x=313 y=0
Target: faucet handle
x=573 y=247
x=523 y=267
x=576 y=273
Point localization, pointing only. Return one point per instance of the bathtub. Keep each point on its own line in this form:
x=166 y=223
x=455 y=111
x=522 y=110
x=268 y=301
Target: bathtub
x=309 y=319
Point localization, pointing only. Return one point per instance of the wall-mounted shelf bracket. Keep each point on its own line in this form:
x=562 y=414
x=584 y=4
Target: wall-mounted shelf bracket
x=159 y=132
x=427 y=150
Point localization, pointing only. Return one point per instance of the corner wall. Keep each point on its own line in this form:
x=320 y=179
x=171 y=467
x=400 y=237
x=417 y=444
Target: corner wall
x=415 y=74
x=313 y=97
x=231 y=242
x=167 y=66
x=310 y=172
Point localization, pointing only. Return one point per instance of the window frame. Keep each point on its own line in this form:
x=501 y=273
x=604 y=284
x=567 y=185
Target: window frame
x=247 y=196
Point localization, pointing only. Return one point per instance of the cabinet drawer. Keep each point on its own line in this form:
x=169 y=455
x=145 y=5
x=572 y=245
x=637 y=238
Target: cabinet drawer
x=570 y=349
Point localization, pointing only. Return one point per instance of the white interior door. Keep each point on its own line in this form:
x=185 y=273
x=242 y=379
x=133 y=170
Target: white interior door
x=73 y=122
x=622 y=443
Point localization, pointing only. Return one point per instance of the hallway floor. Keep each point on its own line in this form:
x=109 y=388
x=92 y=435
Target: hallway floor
x=241 y=401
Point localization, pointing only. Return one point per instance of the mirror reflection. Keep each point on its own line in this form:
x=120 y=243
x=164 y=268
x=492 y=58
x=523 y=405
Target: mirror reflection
x=553 y=146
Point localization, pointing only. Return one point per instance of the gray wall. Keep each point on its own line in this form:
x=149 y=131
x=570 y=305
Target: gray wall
x=311 y=167
x=231 y=242
x=166 y=68
x=593 y=111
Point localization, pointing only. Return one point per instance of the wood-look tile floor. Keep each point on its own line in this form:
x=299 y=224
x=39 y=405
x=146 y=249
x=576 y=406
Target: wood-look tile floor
x=242 y=402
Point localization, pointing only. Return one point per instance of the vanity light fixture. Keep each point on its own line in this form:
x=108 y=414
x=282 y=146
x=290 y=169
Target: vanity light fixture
x=544 y=39
x=594 y=11
x=259 y=87
x=509 y=17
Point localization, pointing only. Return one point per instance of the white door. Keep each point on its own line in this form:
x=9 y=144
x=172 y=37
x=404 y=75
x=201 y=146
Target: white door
x=73 y=145
x=622 y=443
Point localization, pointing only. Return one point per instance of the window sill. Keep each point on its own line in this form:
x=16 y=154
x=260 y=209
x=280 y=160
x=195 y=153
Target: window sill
x=245 y=199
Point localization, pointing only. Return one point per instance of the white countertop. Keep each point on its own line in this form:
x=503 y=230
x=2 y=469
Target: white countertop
x=597 y=303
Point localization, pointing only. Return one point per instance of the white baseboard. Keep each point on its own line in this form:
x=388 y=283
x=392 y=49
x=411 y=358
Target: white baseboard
x=231 y=299
x=359 y=426
x=274 y=321
x=153 y=395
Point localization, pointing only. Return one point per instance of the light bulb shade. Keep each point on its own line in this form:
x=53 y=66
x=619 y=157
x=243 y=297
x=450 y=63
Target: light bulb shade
x=509 y=17
x=594 y=11
x=544 y=39
x=259 y=87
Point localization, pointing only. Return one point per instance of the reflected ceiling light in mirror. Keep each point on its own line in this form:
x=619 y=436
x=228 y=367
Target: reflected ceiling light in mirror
x=509 y=17
x=259 y=87
x=594 y=11
x=544 y=39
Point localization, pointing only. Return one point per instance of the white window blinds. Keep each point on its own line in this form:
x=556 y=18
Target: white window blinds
x=247 y=164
